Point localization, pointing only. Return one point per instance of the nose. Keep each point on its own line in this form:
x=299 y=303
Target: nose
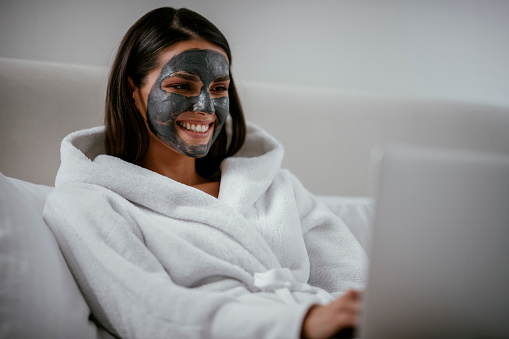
x=204 y=103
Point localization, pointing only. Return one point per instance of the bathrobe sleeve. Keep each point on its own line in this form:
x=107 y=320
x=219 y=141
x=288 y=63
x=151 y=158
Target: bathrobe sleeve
x=127 y=288
x=337 y=260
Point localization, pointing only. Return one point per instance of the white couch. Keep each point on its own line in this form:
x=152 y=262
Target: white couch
x=328 y=134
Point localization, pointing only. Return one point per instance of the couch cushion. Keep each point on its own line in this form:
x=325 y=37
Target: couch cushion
x=34 y=118
x=38 y=296
x=34 y=194
x=356 y=212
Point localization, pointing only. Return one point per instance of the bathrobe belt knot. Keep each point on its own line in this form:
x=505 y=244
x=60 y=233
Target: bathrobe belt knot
x=282 y=282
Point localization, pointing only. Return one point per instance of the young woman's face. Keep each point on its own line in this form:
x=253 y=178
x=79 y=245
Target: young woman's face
x=185 y=99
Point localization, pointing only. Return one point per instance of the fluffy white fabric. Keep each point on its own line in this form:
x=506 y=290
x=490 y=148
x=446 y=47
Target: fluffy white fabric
x=356 y=212
x=157 y=258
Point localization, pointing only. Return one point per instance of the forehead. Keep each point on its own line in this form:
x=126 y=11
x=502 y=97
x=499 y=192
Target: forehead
x=201 y=62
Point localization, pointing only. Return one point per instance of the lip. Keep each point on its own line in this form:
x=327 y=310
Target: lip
x=196 y=135
x=196 y=121
x=193 y=118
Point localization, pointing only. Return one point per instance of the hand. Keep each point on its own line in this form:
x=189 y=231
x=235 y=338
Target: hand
x=325 y=321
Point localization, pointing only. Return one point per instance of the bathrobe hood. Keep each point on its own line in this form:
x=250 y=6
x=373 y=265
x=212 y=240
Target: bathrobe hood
x=245 y=176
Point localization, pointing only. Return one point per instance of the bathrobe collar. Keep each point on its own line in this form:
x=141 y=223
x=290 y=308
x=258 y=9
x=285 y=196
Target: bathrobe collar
x=245 y=178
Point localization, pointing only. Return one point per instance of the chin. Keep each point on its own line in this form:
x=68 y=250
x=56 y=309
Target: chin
x=196 y=151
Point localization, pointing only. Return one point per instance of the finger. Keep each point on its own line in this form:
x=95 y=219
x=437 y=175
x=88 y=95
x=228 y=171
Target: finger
x=353 y=294
x=347 y=300
x=347 y=319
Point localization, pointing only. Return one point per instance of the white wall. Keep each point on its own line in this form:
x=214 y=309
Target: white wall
x=455 y=49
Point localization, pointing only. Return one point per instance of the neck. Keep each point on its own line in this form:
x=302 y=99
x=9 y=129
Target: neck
x=163 y=160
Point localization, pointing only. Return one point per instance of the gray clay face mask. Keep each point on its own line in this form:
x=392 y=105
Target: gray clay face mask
x=163 y=108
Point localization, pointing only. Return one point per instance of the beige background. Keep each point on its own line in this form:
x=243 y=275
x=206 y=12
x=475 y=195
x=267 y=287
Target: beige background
x=455 y=49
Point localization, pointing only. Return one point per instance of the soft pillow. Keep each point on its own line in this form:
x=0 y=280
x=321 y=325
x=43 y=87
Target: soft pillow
x=38 y=296
x=356 y=212
x=35 y=194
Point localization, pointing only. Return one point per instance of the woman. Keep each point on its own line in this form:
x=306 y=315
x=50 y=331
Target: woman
x=178 y=223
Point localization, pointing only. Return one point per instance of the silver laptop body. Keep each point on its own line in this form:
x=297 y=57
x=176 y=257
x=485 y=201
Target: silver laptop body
x=439 y=256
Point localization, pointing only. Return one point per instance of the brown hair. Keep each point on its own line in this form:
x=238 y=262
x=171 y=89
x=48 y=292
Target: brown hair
x=126 y=135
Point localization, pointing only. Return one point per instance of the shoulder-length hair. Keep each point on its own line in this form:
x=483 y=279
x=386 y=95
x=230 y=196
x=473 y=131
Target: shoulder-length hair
x=126 y=134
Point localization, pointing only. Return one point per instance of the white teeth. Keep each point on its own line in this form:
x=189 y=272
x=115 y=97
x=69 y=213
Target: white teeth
x=193 y=127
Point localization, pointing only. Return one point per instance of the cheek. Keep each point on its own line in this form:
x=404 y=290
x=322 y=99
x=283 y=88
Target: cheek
x=172 y=105
x=163 y=106
x=222 y=107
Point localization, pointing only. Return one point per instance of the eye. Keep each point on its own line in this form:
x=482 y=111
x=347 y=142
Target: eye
x=219 y=89
x=178 y=87
x=181 y=86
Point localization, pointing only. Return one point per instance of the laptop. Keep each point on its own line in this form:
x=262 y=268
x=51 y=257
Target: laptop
x=439 y=254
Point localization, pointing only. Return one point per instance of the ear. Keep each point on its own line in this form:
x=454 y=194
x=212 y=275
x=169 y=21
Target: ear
x=136 y=95
x=133 y=90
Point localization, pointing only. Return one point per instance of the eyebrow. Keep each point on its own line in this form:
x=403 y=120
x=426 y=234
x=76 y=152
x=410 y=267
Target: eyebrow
x=185 y=76
x=222 y=78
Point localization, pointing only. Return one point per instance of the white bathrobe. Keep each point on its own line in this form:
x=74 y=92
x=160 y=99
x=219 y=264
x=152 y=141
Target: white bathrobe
x=158 y=259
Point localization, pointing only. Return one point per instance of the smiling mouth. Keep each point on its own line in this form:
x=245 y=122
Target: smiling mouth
x=194 y=127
